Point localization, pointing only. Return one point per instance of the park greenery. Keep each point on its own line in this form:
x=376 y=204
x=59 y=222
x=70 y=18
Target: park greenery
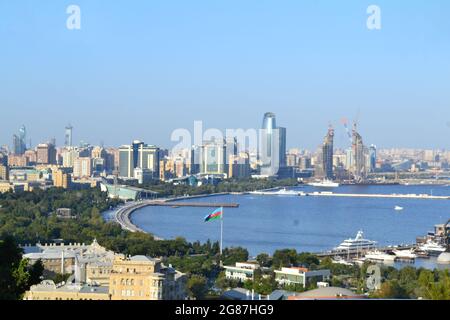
x=16 y=274
x=28 y=218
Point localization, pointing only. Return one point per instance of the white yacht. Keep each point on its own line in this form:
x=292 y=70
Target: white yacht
x=398 y=208
x=285 y=192
x=281 y=192
x=380 y=256
x=324 y=184
x=405 y=254
x=339 y=260
x=432 y=248
x=356 y=244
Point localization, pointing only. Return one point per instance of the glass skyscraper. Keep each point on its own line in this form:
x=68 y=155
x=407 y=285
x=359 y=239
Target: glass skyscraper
x=19 y=141
x=272 y=146
x=327 y=154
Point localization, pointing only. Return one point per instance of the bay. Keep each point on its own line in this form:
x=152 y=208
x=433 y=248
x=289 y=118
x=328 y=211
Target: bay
x=307 y=224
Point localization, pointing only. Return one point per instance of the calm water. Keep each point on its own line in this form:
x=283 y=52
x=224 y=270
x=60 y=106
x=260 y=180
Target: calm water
x=313 y=224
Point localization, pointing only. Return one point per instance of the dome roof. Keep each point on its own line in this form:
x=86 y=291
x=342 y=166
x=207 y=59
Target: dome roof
x=444 y=258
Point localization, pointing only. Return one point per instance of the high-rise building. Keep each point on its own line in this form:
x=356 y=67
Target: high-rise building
x=327 y=154
x=138 y=155
x=359 y=156
x=19 y=141
x=194 y=161
x=372 y=158
x=282 y=157
x=239 y=166
x=69 y=155
x=62 y=179
x=82 y=168
x=111 y=160
x=46 y=154
x=232 y=146
x=272 y=146
x=213 y=157
x=68 y=136
x=4 y=169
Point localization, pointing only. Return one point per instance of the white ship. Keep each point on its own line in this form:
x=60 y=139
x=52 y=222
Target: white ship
x=380 y=256
x=285 y=192
x=281 y=192
x=324 y=184
x=356 y=244
x=405 y=254
x=340 y=260
x=398 y=208
x=432 y=248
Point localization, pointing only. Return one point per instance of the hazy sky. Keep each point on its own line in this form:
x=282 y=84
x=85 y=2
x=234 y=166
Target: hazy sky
x=140 y=69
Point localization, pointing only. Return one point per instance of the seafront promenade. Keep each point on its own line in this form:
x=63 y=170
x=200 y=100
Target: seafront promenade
x=123 y=213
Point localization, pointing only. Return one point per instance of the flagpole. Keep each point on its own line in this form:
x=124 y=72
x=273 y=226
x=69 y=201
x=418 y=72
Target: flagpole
x=221 y=232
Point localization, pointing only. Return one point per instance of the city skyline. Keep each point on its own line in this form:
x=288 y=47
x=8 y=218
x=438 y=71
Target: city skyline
x=196 y=65
x=340 y=129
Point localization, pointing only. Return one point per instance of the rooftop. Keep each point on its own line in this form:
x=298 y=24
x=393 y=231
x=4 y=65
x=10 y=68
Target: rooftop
x=327 y=293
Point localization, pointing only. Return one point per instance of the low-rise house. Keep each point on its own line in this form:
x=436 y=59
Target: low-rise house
x=327 y=293
x=242 y=271
x=48 y=290
x=302 y=276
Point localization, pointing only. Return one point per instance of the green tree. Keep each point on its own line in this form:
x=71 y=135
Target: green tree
x=233 y=255
x=16 y=276
x=439 y=290
x=263 y=260
x=197 y=287
x=308 y=260
x=391 y=289
x=284 y=258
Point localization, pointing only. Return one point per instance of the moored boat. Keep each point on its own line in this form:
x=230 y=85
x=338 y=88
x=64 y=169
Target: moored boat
x=324 y=184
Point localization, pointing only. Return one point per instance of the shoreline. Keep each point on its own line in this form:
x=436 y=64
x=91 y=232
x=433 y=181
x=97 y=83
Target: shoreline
x=123 y=214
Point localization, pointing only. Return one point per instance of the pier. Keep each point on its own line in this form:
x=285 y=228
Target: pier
x=193 y=204
x=367 y=195
x=123 y=214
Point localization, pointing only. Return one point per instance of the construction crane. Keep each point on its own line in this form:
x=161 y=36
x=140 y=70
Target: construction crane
x=345 y=123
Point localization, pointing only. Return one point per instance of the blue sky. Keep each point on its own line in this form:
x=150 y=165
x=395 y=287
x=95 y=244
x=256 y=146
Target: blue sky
x=140 y=69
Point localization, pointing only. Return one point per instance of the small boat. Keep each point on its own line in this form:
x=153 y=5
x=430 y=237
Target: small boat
x=380 y=256
x=339 y=260
x=324 y=184
x=405 y=254
x=432 y=248
x=398 y=208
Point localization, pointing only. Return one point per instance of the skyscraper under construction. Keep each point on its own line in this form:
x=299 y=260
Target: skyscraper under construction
x=358 y=168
